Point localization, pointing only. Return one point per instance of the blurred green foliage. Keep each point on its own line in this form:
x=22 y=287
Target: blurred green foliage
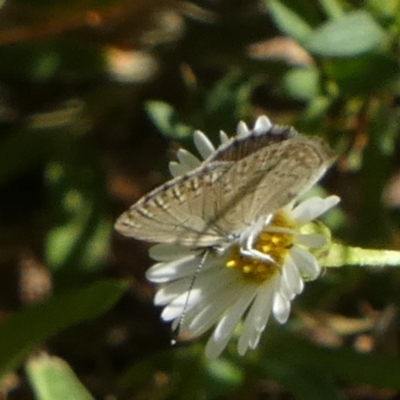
x=52 y=378
x=91 y=93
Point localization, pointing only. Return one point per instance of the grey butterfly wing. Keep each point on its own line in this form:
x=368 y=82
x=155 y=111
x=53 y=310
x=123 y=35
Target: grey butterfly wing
x=269 y=179
x=185 y=209
x=179 y=211
x=250 y=176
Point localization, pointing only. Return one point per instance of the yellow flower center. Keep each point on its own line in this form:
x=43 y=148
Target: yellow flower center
x=274 y=241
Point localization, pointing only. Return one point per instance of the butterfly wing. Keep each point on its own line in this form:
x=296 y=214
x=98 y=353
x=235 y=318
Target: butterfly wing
x=268 y=180
x=178 y=211
x=249 y=177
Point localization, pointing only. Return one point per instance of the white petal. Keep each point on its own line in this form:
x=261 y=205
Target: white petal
x=189 y=312
x=242 y=130
x=312 y=240
x=183 y=302
x=226 y=326
x=292 y=276
x=169 y=252
x=257 y=317
x=255 y=339
x=213 y=285
x=184 y=266
x=313 y=207
x=264 y=301
x=281 y=308
x=187 y=159
x=176 y=169
x=203 y=144
x=223 y=137
x=171 y=291
x=199 y=292
x=262 y=125
x=305 y=262
x=165 y=272
x=284 y=288
x=208 y=315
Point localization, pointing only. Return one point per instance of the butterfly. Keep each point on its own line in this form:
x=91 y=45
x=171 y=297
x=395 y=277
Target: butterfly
x=254 y=174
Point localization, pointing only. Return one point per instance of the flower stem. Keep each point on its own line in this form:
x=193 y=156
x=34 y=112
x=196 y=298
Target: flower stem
x=340 y=255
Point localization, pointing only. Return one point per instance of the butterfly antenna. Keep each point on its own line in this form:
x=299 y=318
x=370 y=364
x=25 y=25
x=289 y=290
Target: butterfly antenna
x=192 y=282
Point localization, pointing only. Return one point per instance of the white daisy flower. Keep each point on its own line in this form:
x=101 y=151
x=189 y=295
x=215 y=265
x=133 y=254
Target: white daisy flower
x=258 y=273
x=255 y=276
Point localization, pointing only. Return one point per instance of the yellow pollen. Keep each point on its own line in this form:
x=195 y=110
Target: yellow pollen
x=271 y=242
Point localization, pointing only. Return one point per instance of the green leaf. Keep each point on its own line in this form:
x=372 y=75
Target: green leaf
x=22 y=332
x=78 y=240
x=364 y=74
x=166 y=119
x=83 y=241
x=228 y=101
x=314 y=114
x=302 y=84
x=386 y=10
x=333 y=8
x=161 y=114
x=53 y=379
x=382 y=132
x=352 y=35
x=288 y=20
x=222 y=376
